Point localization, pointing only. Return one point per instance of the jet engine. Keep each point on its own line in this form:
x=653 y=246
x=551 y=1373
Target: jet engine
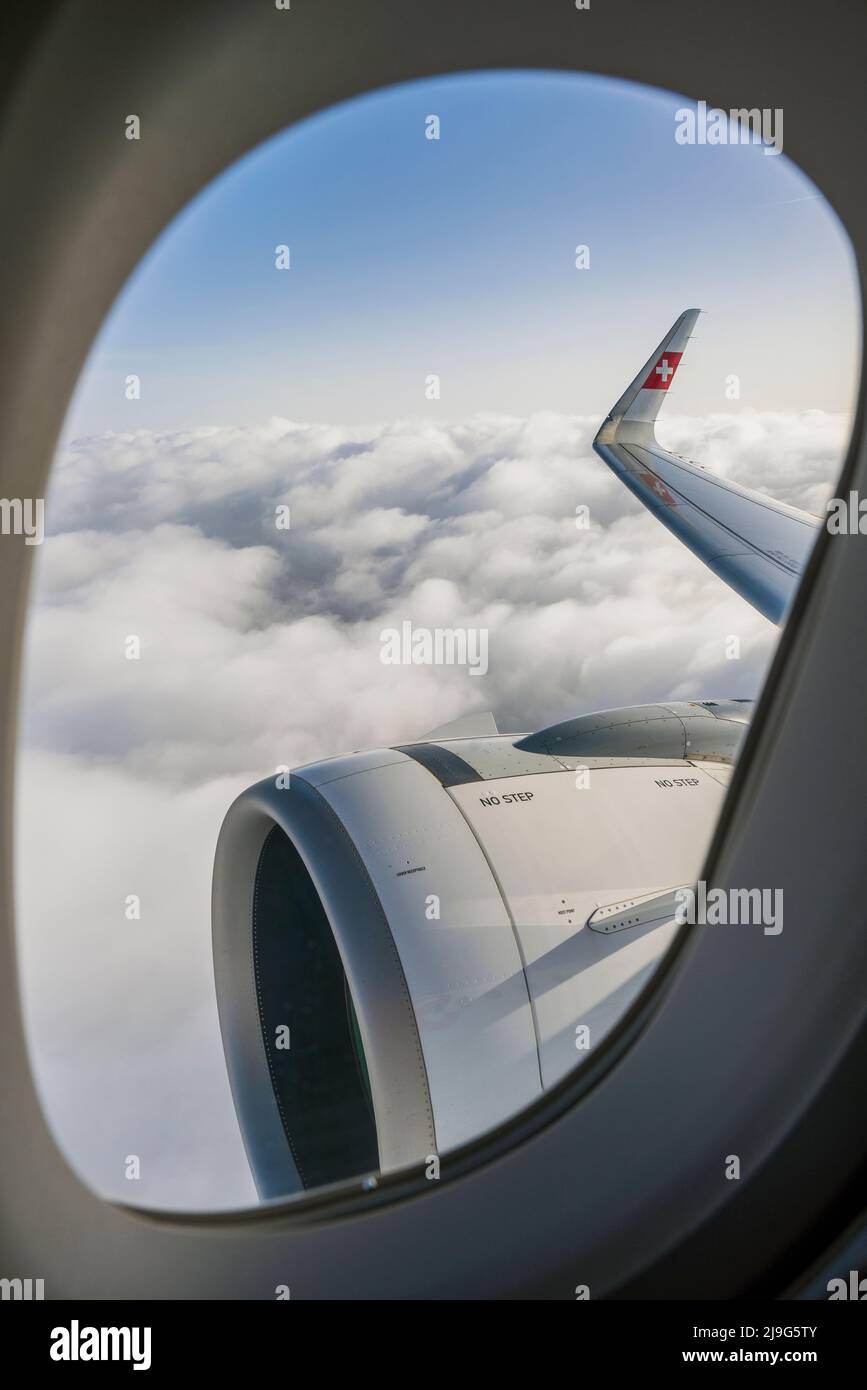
x=411 y=944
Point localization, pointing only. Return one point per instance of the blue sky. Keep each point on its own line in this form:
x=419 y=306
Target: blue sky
x=456 y=257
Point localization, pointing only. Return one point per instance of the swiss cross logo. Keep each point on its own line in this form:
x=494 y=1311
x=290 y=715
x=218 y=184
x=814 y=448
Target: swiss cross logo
x=661 y=373
x=658 y=488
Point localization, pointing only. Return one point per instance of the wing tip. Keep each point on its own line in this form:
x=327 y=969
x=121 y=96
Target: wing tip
x=639 y=405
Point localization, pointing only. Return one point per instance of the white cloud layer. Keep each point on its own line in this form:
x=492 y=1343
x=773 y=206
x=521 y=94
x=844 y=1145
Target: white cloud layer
x=261 y=647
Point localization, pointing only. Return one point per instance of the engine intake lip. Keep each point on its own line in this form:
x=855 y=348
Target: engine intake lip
x=374 y=975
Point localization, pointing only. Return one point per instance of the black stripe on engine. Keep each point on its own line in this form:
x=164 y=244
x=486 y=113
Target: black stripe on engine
x=446 y=766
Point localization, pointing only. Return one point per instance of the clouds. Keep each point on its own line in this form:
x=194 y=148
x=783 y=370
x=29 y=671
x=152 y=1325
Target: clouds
x=261 y=647
x=794 y=457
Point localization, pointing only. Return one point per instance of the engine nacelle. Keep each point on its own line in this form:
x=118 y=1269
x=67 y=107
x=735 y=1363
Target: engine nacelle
x=411 y=944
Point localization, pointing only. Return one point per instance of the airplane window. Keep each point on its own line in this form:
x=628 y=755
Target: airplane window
x=417 y=543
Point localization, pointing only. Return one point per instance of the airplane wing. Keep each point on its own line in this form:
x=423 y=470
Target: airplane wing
x=757 y=545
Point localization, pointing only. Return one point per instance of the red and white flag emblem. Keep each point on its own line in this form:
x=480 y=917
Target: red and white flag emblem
x=658 y=488
x=661 y=374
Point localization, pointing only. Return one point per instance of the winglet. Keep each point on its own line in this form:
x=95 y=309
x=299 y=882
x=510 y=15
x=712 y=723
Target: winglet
x=758 y=545
x=633 y=415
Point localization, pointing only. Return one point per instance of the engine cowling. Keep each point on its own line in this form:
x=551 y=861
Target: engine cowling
x=411 y=944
